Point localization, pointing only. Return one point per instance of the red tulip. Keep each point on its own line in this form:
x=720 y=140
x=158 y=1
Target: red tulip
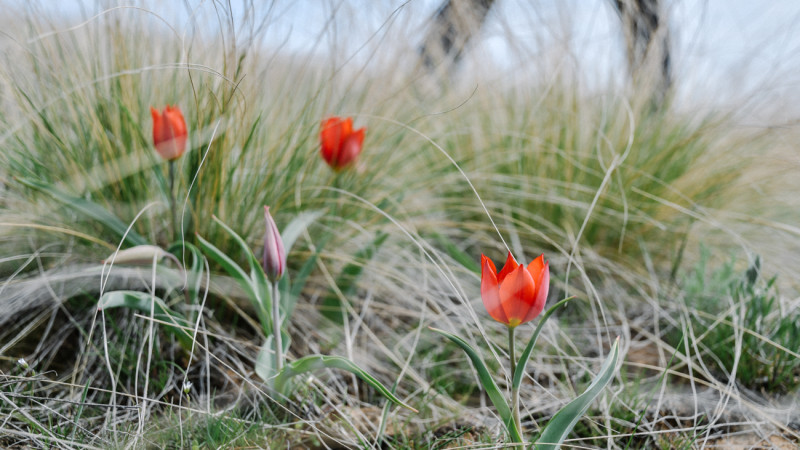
x=517 y=294
x=340 y=144
x=169 y=132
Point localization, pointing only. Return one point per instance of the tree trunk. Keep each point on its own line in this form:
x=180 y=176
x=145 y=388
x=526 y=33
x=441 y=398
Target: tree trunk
x=647 y=46
x=454 y=23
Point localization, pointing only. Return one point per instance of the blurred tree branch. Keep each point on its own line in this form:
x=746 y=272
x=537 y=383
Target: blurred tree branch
x=644 y=26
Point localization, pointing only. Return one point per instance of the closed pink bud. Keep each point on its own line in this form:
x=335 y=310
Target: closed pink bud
x=274 y=257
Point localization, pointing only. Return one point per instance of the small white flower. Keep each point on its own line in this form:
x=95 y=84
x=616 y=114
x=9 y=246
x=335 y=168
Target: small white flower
x=187 y=386
x=22 y=363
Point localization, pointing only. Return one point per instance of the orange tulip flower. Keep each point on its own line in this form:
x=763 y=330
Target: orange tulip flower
x=169 y=132
x=340 y=144
x=517 y=294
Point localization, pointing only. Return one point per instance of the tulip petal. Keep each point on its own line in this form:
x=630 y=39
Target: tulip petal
x=331 y=138
x=358 y=135
x=169 y=132
x=536 y=266
x=351 y=148
x=490 y=292
x=347 y=127
x=542 y=289
x=176 y=121
x=485 y=260
x=510 y=266
x=517 y=294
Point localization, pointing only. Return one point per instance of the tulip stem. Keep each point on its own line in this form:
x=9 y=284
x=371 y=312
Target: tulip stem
x=276 y=325
x=175 y=228
x=514 y=389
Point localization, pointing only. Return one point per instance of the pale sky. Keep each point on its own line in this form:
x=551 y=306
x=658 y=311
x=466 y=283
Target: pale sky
x=724 y=51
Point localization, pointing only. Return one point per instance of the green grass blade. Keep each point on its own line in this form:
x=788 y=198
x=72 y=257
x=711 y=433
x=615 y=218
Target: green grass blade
x=456 y=253
x=562 y=423
x=89 y=209
x=79 y=413
x=141 y=301
x=348 y=279
x=317 y=362
x=526 y=354
x=290 y=292
x=488 y=383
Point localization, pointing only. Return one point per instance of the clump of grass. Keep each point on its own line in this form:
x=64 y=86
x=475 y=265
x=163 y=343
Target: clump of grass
x=594 y=174
x=738 y=326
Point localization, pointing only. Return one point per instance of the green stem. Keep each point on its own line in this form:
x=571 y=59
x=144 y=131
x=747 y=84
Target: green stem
x=172 y=206
x=514 y=389
x=276 y=325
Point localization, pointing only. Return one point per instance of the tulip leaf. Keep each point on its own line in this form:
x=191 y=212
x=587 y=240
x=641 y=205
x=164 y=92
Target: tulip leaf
x=241 y=277
x=562 y=423
x=265 y=361
x=194 y=270
x=317 y=362
x=143 y=301
x=526 y=354
x=488 y=383
x=300 y=222
x=89 y=209
x=258 y=278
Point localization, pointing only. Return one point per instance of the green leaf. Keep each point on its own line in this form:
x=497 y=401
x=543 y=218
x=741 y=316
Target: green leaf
x=300 y=222
x=194 y=270
x=257 y=276
x=258 y=279
x=142 y=301
x=89 y=209
x=488 y=383
x=317 y=362
x=265 y=361
x=526 y=354
x=228 y=264
x=241 y=277
x=562 y=423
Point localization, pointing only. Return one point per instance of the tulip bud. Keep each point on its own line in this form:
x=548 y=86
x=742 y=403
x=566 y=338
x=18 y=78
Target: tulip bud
x=22 y=363
x=187 y=387
x=169 y=132
x=274 y=256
